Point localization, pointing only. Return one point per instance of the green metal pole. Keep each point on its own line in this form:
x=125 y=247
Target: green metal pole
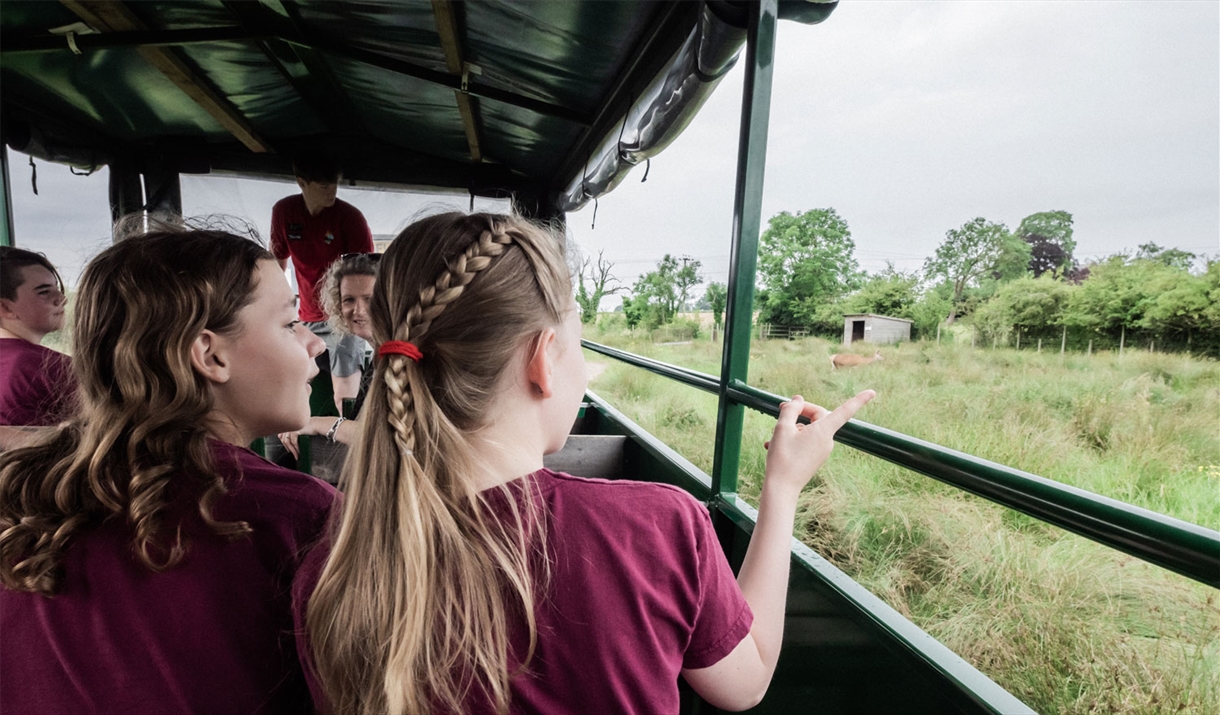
x=7 y=236
x=743 y=259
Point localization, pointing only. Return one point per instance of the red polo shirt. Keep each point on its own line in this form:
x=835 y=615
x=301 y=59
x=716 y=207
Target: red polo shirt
x=314 y=242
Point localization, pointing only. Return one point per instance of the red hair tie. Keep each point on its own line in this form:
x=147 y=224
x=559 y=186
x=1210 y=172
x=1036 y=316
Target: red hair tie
x=399 y=347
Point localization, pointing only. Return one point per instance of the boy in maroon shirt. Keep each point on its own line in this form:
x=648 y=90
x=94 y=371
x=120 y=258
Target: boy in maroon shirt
x=36 y=383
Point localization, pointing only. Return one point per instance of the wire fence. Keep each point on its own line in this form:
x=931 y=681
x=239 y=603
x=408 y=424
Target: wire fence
x=1048 y=339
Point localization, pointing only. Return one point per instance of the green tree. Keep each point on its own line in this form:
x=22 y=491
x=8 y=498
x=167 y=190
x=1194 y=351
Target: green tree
x=1119 y=292
x=1211 y=315
x=657 y=290
x=1031 y=305
x=717 y=297
x=1049 y=236
x=600 y=283
x=806 y=261
x=686 y=279
x=667 y=289
x=890 y=292
x=1012 y=263
x=1172 y=257
x=1182 y=304
x=1160 y=297
x=634 y=308
x=931 y=309
x=978 y=249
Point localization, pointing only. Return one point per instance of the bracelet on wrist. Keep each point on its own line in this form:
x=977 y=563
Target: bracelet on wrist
x=330 y=434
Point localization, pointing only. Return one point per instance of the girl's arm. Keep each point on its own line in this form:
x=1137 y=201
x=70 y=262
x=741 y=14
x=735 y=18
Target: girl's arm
x=794 y=454
x=345 y=387
x=320 y=426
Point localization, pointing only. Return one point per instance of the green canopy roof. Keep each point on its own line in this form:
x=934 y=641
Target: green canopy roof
x=488 y=96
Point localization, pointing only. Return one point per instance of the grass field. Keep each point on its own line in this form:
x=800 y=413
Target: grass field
x=1065 y=624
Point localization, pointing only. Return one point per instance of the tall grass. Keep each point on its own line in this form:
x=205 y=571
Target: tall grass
x=1065 y=624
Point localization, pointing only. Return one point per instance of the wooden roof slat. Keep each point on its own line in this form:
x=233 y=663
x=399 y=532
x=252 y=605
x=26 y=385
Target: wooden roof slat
x=12 y=44
x=447 y=27
x=116 y=17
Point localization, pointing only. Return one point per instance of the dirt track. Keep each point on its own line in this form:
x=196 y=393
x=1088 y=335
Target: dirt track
x=593 y=369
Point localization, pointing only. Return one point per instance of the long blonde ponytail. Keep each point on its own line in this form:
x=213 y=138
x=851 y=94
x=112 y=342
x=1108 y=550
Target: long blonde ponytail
x=417 y=601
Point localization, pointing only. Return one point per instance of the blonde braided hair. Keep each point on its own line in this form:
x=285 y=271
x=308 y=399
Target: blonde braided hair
x=424 y=580
x=432 y=302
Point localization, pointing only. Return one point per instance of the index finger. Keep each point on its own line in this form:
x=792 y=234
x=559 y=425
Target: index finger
x=847 y=410
x=790 y=410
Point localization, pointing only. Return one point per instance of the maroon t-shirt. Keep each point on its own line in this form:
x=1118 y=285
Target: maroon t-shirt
x=211 y=635
x=639 y=590
x=36 y=384
x=314 y=242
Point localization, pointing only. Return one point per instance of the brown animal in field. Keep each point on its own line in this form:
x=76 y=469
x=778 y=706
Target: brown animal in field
x=849 y=360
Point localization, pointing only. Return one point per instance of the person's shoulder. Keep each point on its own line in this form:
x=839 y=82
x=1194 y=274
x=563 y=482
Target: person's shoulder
x=288 y=203
x=21 y=346
x=14 y=349
x=272 y=487
x=623 y=494
x=23 y=352
x=291 y=200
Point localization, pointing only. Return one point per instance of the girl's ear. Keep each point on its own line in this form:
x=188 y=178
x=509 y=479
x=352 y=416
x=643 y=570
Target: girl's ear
x=540 y=367
x=207 y=357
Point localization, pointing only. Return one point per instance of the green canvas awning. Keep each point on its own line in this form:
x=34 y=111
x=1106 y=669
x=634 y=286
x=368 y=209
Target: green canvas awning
x=495 y=98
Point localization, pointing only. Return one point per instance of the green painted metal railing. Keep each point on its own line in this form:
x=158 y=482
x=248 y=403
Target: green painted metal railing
x=747 y=217
x=875 y=612
x=1182 y=547
x=6 y=202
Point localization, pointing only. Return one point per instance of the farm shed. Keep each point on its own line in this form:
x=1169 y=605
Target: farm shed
x=875 y=328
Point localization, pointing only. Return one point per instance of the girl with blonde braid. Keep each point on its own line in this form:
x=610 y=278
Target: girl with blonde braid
x=463 y=577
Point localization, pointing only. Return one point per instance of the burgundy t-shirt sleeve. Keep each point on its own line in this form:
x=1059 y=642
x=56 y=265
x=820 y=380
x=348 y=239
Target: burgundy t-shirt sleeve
x=302 y=588
x=39 y=387
x=724 y=617
x=279 y=242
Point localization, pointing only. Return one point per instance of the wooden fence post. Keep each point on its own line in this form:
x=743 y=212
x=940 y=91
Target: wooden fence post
x=1063 y=345
x=1122 y=338
x=1090 y=346
x=1039 y=344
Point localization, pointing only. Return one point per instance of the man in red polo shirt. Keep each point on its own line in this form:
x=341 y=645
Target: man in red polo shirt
x=314 y=228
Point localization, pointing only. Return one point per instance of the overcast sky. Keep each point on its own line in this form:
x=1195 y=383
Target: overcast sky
x=909 y=118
